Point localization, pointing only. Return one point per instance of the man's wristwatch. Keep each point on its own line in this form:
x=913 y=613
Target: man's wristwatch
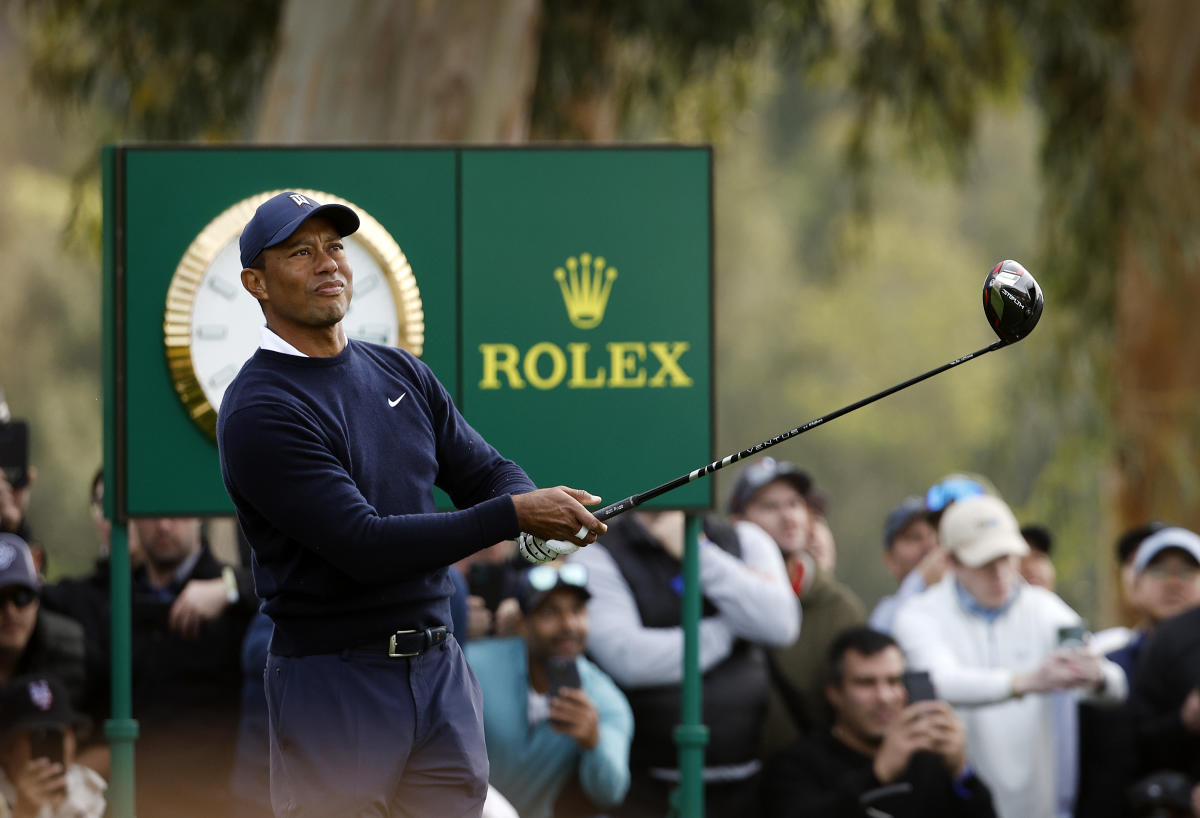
x=231 y=586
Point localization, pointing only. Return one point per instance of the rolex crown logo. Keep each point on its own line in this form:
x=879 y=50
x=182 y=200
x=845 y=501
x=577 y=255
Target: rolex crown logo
x=585 y=283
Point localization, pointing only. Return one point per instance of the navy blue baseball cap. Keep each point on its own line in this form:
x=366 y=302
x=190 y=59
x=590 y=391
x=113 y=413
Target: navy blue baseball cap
x=16 y=563
x=278 y=218
x=33 y=701
x=901 y=516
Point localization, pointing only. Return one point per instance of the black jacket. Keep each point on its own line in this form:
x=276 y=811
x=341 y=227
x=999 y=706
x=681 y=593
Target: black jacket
x=1168 y=669
x=56 y=648
x=821 y=777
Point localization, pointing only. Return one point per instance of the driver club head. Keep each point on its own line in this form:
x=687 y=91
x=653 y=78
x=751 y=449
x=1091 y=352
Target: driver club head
x=1012 y=301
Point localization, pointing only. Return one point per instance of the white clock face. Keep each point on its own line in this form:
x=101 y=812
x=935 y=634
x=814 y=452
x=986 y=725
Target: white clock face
x=212 y=325
x=226 y=319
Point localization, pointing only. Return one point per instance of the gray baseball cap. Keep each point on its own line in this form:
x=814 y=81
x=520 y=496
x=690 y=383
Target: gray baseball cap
x=762 y=473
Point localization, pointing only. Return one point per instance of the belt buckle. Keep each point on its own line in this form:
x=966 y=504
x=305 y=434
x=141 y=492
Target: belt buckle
x=393 y=653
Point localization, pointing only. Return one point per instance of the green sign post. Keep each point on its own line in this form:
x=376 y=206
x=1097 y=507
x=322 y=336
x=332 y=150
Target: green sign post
x=563 y=296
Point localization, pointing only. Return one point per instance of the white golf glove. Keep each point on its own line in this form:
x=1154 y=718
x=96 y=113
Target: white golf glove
x=536 y=550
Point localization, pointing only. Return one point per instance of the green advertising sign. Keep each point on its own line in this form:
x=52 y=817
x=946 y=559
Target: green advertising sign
x=563 y=296
x=586 y=302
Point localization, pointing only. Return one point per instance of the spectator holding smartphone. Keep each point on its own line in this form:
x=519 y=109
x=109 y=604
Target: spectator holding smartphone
x=886 y=754
x=991 y=643
x=557 y=727
x=38 y=774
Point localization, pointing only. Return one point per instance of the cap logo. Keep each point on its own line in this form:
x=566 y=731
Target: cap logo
x=300 y=200
x=41 y=695
x=8 y=555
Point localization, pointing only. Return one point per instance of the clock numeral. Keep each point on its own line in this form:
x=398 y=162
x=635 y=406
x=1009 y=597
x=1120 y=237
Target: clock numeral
x=223 y=376
x=222 y=287
x=211 y=332
x=365 y=285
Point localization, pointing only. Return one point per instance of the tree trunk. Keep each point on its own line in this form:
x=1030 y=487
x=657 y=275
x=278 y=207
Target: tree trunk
x=1156 y=347
x=405 y=71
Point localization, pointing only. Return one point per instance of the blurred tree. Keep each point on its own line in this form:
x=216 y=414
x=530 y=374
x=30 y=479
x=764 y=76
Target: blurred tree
x=1118 y=86
x=171 y=71
x=1114 y=82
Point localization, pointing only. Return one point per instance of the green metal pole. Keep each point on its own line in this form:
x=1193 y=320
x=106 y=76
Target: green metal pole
x=121 y=729
x=691 y=736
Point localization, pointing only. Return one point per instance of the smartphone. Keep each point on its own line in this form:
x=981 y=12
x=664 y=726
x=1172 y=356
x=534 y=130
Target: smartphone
x=47 y=742
x=561 y=672
x=488 y=581
x=1072 y=636
x=14 y=452
x=919 y=686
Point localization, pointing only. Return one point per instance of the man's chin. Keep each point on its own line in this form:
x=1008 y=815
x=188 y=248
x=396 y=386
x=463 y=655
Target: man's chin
x=331 y=317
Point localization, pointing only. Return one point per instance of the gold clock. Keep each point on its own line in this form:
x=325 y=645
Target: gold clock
x=211 y=324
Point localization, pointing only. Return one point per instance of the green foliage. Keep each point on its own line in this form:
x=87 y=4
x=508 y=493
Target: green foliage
x=932 y=65
x=159 y=71
x=676 y=68
x=793 y=91
x=51 y=374
x=797 y=340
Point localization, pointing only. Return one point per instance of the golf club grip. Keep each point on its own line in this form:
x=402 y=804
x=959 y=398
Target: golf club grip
x=635 y=500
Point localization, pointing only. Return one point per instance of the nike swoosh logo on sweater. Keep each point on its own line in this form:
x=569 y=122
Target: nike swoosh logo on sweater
x=393 y=403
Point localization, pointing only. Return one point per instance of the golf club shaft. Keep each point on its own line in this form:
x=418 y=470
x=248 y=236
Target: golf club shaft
x=621 y=506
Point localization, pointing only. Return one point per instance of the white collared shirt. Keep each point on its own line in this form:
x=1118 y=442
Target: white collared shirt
x=267 y=339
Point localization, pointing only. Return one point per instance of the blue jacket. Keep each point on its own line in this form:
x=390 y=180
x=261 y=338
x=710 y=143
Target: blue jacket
x=531 y=766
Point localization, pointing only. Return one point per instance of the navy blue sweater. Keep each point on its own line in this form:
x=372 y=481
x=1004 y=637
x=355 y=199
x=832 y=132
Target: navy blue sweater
x=331 y=464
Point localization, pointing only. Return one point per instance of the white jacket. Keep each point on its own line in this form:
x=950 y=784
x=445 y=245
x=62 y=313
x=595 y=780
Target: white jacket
x=1010 y=741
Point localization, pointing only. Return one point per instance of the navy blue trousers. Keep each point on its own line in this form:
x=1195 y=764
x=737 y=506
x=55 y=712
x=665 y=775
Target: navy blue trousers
x=356 y=734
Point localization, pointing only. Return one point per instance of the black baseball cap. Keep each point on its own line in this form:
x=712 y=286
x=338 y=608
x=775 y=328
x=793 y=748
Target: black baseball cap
x=33 y=701
x=763 y=472
x=277 y=218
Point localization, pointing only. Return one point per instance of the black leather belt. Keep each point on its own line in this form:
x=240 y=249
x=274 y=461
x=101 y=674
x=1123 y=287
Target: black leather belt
x=404 y=644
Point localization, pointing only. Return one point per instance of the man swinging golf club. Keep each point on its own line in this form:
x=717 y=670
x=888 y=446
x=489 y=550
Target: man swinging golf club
x=330 y=449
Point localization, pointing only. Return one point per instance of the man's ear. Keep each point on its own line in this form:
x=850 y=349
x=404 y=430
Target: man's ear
x=833 y=695
x=255 y=283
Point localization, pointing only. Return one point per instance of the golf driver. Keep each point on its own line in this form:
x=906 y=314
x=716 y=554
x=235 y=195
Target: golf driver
x=1012 y=302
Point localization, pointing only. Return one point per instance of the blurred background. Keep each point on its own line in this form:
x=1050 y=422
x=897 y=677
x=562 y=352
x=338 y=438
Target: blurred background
x=873 y=160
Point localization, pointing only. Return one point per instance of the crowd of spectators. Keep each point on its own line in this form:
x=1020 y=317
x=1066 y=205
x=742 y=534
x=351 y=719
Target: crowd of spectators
x=971 y=690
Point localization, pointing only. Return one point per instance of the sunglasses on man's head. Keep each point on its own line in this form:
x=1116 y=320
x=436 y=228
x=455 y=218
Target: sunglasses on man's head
x=546 y=577
x=948 y=491
x=18 y=595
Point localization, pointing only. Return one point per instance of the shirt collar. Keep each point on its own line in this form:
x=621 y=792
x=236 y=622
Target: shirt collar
x=270 y=341
x=972 y=606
